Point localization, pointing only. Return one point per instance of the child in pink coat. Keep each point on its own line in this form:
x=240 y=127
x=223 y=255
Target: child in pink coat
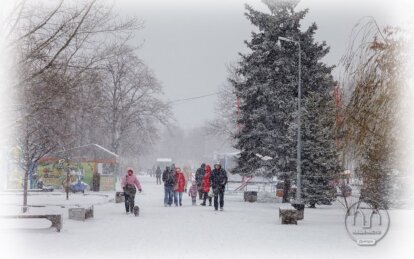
x=193 y=192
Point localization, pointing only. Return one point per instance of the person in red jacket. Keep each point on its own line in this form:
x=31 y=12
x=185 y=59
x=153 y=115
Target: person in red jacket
x=179 y=186
x=205 y=185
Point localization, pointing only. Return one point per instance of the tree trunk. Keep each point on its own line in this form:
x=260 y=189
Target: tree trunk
x=25 y=180
x=67 y=183
x=286 y=188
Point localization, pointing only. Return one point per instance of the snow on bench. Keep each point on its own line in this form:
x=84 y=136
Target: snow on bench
x=56 y=219
x=250 y=196
x=288 y=214
x=119 y=197
x=81 y=213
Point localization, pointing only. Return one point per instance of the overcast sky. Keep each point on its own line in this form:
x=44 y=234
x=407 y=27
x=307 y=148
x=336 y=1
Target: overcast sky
x=188 y=44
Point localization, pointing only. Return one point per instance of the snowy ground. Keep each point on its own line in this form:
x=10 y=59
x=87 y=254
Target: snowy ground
x=243 y=230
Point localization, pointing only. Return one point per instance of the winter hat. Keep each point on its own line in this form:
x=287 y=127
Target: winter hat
x=208 y=168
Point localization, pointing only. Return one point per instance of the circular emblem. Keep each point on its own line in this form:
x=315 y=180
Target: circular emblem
x=366 y=224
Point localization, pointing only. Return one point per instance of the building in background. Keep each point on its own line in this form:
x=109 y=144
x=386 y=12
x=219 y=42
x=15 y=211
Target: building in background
x=90 y=162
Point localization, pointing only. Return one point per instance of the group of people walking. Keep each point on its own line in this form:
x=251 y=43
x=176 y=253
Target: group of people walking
x=211 y=183
x=208 y=185
x=174 y=185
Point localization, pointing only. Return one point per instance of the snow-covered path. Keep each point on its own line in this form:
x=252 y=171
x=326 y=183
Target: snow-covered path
x=243 y=230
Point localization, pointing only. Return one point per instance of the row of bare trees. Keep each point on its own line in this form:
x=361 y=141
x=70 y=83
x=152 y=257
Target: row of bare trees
x=79 y=81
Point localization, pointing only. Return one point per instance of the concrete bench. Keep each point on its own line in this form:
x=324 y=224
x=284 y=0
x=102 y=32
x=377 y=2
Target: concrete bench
x=250 y=196
x=119 y=197
x=300 y=207
x=56 y=219
x=81 y=213
x=288 y=215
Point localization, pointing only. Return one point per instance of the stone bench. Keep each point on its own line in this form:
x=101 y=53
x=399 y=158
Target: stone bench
x=300 y=207
x=56 y=219
x=288 y=215
x=119 y=197
x=250 y=196
x=81 y=213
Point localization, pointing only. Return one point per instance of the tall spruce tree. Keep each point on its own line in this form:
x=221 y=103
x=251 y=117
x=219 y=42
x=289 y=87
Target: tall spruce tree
x=320 y=162
x=269 y=88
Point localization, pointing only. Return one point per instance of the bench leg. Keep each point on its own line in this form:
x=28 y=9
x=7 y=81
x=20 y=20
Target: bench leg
x=56 y=222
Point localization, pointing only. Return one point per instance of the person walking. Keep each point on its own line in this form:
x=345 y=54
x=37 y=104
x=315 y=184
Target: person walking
x=158 y=175
x=218 y=181
x=192 y=192
x=199 y=179
x=179 y=186
x=96 y=181
x=169 y=180
x=130 y=184
x=206 y=186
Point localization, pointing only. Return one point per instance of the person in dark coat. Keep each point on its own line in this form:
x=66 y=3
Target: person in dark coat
x=218 y=181
x=199 y=179
x=158 y=175
x=96 y=182
x=168 y=177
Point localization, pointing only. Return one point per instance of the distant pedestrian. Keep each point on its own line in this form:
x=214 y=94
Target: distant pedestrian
x=169 y=180
x=192 y=192
x=179 y=186
x=96 y=182
x=218 y=180
x=206 y=186
x=130 y=184
x=158 y=175
x=199 y=179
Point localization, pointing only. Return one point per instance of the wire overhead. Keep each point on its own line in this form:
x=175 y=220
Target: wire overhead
x=192 y=98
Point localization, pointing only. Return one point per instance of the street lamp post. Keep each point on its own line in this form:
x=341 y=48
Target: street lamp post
x=299 y=147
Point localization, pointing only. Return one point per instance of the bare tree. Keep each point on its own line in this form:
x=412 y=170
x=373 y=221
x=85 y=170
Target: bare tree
x=374 y=68
x=131 y=109
x=57 y=47
x=225 y=125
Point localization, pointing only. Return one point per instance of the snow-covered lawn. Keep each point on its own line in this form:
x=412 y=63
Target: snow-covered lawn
x=242 y=230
